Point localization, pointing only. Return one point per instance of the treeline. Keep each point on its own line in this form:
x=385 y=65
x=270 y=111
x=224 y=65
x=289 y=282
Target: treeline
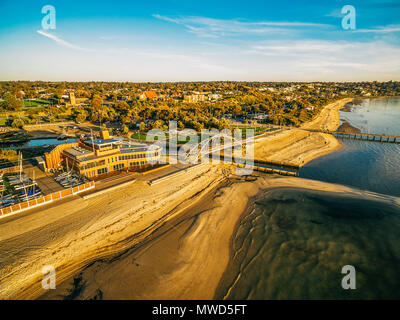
x=284 y=103
x=203 y=114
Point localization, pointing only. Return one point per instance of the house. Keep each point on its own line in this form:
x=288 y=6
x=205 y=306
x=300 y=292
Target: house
x=148 y=95
x=258 y=117
x=215 y=96
x=193 y=98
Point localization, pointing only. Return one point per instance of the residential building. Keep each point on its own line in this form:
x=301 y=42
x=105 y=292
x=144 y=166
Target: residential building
x=148 y=95
x=193 y=98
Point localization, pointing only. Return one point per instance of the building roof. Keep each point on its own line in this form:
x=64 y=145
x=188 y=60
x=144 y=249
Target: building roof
x=150 y=94
x=40 y=159
x=139 y=148
x=125 y=148
x=100 y=142
x=77 y=151
x=130 y=150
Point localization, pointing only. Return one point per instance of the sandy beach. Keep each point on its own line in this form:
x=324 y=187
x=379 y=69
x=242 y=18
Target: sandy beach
x=72 y=233
x=80 y=236
x=186 y=258
x=297 y=146
x=328 y=118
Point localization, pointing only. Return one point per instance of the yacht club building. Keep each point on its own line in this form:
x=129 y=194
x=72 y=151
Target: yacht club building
x=103 y=155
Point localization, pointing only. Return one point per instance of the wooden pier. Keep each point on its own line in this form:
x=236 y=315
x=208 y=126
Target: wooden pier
x=281 y=172
x=384 y=138
x=274 y=164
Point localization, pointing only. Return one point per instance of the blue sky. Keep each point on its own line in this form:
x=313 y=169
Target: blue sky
x=174 y=40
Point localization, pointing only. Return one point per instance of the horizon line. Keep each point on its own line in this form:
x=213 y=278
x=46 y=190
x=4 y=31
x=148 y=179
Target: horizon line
x=188 y=81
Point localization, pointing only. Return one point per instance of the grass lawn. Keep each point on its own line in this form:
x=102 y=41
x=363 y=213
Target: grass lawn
x=139 y=136
x=142 y=136
x=257 y=130
x=35 y=103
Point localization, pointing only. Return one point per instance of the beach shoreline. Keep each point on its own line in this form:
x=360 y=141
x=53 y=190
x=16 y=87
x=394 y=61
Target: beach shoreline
x=84 y=231
x=76 y=232
x=236 y=280
x=187 y=257
x=298 y=146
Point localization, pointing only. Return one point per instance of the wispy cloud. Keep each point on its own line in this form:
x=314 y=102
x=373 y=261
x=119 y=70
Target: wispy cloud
x=60 y=41
x=302 y=47
x=209 y=27
x=172 y=58
x=328 y=57
x=384 y=29
x=335 y=13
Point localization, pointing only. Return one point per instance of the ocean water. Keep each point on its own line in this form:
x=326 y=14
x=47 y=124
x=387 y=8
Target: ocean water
x=365 y=165
x=293 y=244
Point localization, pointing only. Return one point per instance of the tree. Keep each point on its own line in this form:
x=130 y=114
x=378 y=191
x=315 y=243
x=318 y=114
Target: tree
x=122 y=106
x=97 y=102
x=99 y=111
x=181 y=126
x=237 y=110
x=223 y=124
x=59 y=91
x=142 y=127
x=303 y=116
x=81 y=117
x=8 y=154
x=17 y=123
x=158 y=124
x=125 y=130
x=126 y=119
x=34 y=117
x=197 y=126
x=11 y=102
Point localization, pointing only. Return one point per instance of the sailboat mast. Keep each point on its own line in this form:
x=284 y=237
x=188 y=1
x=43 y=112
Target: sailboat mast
x=91 y=135
x=20 y=165
x=66 y=160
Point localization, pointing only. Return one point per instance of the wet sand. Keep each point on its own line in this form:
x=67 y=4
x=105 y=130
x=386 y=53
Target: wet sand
x=292 y=243
x=187 y=257
x=346 y=127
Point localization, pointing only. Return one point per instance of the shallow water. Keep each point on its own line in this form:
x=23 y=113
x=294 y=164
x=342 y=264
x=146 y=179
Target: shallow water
x=369 y=166
x=293 y=243
x=365 y=165
x=377 y=115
